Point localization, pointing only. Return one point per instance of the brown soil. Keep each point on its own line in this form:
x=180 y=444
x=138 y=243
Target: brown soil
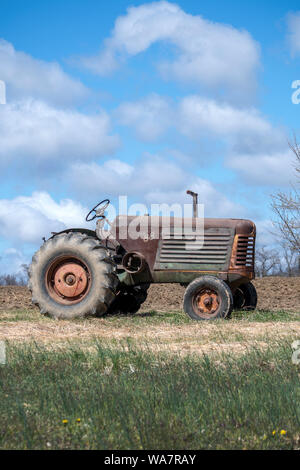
x=21 y=321
x=15 y=297
x=274 y=293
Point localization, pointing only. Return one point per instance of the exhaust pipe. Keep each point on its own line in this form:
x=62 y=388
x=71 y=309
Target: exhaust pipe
x=195 y=203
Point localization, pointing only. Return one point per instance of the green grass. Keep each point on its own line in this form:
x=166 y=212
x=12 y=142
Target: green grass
x=128 y=398
x=265 y=316
x=153 y=317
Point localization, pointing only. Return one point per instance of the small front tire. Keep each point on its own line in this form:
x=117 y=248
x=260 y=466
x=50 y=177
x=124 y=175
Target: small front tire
x=208 y=298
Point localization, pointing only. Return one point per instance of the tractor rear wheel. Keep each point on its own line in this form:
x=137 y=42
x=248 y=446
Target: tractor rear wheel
x=207 y=298
x=72 y=276
x=245 y=297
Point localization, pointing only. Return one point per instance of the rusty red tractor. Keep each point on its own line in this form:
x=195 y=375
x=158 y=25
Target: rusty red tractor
x=80 y=272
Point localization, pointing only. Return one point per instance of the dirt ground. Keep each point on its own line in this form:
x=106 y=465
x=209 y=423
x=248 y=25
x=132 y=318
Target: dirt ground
x=21 y=321
x=274 y=293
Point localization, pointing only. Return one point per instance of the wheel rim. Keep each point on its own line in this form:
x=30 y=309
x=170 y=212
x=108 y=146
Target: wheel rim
x=68 y=280
x=206 y=303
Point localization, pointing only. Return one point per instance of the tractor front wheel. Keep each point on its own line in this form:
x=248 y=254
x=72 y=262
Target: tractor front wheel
x=207 y=298
x=72 y=276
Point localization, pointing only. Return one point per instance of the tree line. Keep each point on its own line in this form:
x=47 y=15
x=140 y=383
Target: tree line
x=19 y=279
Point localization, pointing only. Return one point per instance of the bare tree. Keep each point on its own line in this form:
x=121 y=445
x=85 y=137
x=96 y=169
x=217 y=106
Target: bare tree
x=286 y=207
x=9 y=280
x=290 y=258
x=18 y=279
x=25 y=268
x=266 y=261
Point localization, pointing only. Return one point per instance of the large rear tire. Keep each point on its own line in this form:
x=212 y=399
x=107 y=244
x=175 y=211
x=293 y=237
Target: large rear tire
x=208 y=298
x=245 y=297
x=71 y=276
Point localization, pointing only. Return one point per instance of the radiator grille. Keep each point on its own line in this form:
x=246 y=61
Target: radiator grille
x=210 y=249
x=245 y=252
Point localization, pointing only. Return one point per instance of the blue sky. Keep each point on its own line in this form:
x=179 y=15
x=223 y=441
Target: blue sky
x=146 y=99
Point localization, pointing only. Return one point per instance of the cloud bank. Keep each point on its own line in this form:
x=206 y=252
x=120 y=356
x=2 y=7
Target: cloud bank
x=36 y=133
x=26 y=219
x=293 y=33
x=26 y=76
x=206 y=53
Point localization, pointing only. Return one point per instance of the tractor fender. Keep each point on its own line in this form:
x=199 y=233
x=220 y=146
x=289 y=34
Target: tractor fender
x=90 y=233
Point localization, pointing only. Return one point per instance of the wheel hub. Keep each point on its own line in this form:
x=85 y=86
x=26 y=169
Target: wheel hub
x=207 y=302
x=70 y=279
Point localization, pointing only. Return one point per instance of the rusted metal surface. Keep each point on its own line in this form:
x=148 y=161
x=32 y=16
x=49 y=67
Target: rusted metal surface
x=168 y=261
x=68 y=280
x=145 y=244
x=133 y=262
x=208 y=252
x=195 y=202
x=243 y=253
x=148 y=245
x=206 y=303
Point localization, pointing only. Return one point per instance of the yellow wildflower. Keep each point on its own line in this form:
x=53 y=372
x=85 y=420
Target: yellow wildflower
x=78 y=420
x=273 y=432
x=283 y=432
x=65 y=421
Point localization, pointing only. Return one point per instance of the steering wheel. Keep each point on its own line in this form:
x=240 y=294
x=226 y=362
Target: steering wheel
x=99 y=212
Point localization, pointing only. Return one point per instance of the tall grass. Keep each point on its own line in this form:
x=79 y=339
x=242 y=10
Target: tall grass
x=112 y=398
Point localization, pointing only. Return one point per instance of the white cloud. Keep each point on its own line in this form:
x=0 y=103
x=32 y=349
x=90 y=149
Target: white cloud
x=197 y=117
x=28 y=219
x=150 y=117
x=115 y=177
x=211 y=54
x=151 y=179
x=201 y=115
x=255 y=149
x=293 y=36
x=244 y=129
x=264 y=169
x=26 y=76
x=34 y=132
